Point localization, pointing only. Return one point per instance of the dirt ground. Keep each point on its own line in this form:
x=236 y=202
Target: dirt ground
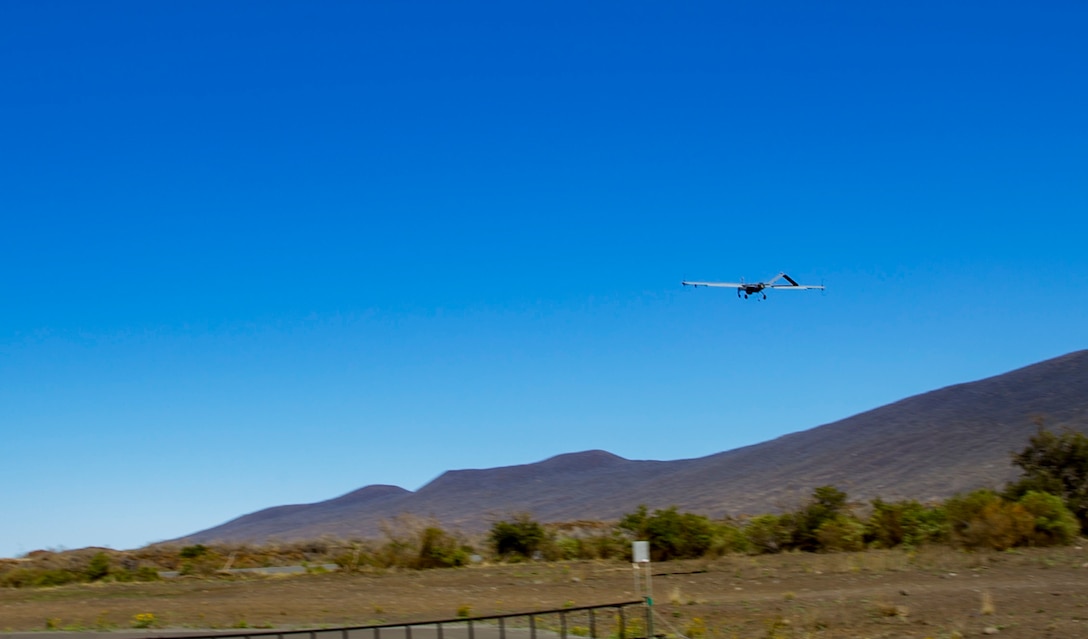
x=938 y=593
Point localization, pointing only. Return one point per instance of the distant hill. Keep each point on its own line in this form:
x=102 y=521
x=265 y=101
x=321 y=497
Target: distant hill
x=929 y=446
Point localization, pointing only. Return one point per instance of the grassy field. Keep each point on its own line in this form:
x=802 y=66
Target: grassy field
x=938 y=593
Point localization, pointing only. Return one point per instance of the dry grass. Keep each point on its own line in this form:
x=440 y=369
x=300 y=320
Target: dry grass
x=987 y=606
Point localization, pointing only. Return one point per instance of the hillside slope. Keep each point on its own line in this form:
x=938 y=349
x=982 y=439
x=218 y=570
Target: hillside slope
x=924 y=447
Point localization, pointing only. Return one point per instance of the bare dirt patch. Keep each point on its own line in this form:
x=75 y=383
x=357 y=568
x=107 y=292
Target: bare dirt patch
x=930 y=593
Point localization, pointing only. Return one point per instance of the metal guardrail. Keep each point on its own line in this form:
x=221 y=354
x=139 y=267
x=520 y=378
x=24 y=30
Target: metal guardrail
x=558 y=622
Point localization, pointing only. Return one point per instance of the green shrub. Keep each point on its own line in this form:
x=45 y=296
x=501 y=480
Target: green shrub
x=841 y=533
x=193 y=552
x=356 y=557
x=826 y=504
x=439 y=549
x=1054 y=524
x=20 y=578
x=769 y=533
x=606 y=545
x=672 y=534
x=906 y=523
x=1055 y=463
x=147 y=573
x=572 y=548
x=98 y=567
x=411 y=543
x=55 y=577
x=521 y=538
x=728 y=538
x=983 y=519
x=397 y=553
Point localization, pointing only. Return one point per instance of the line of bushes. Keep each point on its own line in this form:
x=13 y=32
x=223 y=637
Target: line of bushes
x=1046 y=506
x=58 y=569
x=826 y=523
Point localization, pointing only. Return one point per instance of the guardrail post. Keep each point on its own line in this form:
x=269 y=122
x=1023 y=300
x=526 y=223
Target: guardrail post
x=407 y=632
x=623 y=624
x=532 y=626
x=592 y=623
x=377 y=633
x=502 y=627
x=471 y=630
x=563 y=625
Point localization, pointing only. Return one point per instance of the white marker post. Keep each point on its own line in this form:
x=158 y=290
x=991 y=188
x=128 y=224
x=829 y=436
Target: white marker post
x=640 y=558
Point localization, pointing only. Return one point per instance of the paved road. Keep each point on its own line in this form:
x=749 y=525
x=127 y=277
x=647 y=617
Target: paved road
x=268 y=570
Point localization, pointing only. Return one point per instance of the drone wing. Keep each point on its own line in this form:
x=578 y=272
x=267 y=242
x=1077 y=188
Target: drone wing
x=715 y=284
x=795 y=287
x=792 y=284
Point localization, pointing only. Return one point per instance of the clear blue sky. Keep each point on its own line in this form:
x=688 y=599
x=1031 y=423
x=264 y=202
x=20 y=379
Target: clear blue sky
x=258 y=253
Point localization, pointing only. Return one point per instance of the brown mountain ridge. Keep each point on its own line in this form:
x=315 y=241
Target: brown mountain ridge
x=928 y=446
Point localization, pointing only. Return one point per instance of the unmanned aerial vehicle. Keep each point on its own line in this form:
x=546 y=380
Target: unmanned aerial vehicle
x=759 y=288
